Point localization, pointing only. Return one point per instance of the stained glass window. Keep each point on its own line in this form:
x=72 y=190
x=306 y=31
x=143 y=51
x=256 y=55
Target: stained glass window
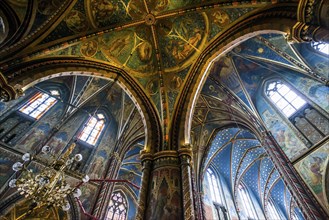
x=92 y=129
x=214 y=186
x=118 y=207
x=38 y=105
x=272 y=211
x=247 y=203
x=284 y=98
x=320 y=46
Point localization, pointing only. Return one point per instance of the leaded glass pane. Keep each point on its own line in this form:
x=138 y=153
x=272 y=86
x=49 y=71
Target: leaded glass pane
x=308 y=130
x=118 y=207
x=284 y=98
x=38 y=105
x=93 y=129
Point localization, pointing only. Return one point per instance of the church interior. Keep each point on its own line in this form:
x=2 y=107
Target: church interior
x=167 y=109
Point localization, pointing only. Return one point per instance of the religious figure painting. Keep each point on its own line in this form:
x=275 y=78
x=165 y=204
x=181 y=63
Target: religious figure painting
x=313 y=170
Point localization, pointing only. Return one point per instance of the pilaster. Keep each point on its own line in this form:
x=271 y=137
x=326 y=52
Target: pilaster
x=146 y=159
x=165 y=191
x=185 y=155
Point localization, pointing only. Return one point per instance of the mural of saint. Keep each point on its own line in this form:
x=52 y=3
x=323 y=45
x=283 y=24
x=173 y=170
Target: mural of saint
x=76 y=21
x=89 y=48
x=220 y=18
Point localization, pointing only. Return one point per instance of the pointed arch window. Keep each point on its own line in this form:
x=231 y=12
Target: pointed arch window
x=39 y=104
x=93 y=129
x=312 y=124
x=321 y=46
x=214 y=186
x=118 y=207
x=273 y=212
x=284 y=98
x=247 y=203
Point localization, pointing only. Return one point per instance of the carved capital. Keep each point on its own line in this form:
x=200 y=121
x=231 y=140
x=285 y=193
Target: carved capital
x=8 y=92
x=185 y=150
x=302 y=32
x=308 y=10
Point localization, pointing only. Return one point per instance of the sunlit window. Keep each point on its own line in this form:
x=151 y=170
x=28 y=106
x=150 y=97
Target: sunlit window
x=247 y=203
x=118 y=207
x=294 y=216
x=272 y=211
x=39 y=104
x=284 y=98
x=92 y=129
x=322 y=47
x=214 y=186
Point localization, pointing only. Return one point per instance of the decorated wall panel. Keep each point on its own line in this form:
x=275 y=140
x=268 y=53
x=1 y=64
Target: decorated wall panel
x=312 y=169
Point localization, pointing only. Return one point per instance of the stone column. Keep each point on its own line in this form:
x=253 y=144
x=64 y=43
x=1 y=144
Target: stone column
x=298 y=189
x=146 y=159
x=165 y=197
x=106 y=189
x=185 y=155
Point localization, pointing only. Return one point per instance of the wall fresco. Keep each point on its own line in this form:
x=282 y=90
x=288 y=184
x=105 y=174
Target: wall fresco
x=312 y=169
x=7 y=159
x=165 y=199
x=283 y=134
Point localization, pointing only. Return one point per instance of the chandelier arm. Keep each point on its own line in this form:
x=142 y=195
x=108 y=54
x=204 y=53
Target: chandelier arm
x=108 y=181
x=84 y=211
x=115 y=181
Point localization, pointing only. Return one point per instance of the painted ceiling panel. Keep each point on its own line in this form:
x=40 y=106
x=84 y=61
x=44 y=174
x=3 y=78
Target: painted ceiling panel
x=251 y=178
x=278 y=196
x=255 y=48
x=243 y=134
x=288 y=200
x=157 y=7
x=317 y=61
x=266 y=168
x=225 y=72
x=280 y=41
x=273 y=178
x=222 y=138
x=131 y=169
x=155 y=41
x=240 y=155
x=249 y=158
x=222 y=163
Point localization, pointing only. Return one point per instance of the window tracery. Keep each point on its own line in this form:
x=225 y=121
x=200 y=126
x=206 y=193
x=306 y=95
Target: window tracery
x=309 y=122
x=118 y=207
x=247 y=203
x=93 y=129
x=39 y=104
x=321 y=46
x=273 y=212
x=284 y=98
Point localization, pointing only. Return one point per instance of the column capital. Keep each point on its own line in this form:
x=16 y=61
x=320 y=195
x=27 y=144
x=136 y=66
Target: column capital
x=145 y=156
x=302 y=32
x=8 y=92
x=185 y=150
x=165 y=153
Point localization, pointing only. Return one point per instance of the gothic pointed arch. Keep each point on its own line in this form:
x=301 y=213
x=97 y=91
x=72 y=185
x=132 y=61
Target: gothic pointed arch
x=63 y=67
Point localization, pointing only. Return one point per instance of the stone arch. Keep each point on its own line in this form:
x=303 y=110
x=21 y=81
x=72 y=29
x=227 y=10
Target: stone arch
x=261 y=22
x=27 y=74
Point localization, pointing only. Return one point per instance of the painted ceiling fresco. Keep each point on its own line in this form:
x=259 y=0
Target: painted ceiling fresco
x=154 y=41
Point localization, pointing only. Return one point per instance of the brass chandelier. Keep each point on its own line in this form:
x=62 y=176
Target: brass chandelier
x=48 y=187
